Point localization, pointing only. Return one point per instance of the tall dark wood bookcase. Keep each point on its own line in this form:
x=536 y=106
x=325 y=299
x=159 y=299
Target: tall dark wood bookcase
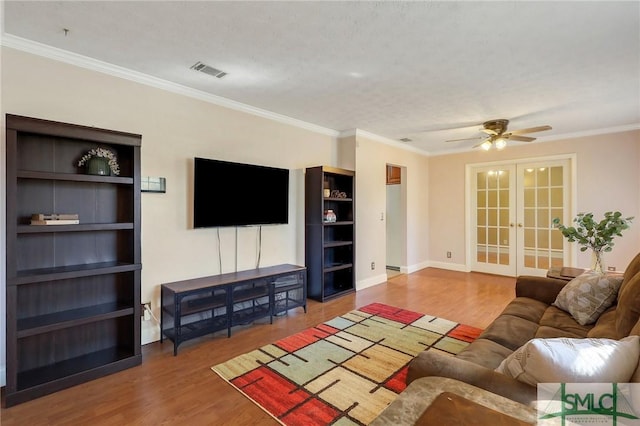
x=73 y=291
x=329 y=245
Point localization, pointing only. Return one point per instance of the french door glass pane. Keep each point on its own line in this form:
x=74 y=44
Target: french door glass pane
x=543 y=201
x=492 y=200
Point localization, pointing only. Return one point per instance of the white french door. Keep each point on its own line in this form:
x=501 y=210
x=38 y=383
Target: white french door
x=512 y=207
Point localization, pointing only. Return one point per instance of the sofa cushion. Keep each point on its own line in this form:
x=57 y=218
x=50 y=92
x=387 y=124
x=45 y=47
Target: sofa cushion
x=588 y=295
x=484 y=352
x=546 y=332
x=573 y=361
x=526 y=308
x=628 y=311
x=606 y=325
x=510 y=331
x=557 y=318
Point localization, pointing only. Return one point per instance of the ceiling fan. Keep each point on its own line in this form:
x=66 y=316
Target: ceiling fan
x=498 y=135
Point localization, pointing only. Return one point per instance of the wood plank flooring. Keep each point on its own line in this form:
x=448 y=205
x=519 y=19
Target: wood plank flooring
x=182 y=390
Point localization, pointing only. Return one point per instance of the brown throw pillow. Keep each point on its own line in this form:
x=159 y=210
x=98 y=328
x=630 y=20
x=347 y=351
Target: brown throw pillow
x=588 y=295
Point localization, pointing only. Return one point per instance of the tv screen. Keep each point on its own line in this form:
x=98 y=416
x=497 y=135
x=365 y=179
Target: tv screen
x=237 y=194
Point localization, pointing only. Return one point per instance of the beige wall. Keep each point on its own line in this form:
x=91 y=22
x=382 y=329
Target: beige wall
x=607 y=178
x=371 y=167
x=174 y=129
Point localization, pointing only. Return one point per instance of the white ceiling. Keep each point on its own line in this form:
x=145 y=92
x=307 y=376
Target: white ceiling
x=429 y=71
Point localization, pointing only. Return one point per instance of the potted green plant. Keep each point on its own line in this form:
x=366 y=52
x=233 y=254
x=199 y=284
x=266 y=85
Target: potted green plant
x=595 y=235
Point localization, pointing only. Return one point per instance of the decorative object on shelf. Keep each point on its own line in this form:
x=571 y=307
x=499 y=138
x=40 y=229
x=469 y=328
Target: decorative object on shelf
x=55 y=219
x=338 y=194
x=597 y=236
x=327 y=189
x=153 y=184
x=100 y=161
x=54 y=216
x=329 y=216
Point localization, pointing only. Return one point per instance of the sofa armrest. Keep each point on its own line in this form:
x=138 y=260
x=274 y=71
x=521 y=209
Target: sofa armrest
x=539 y=288
x=431 y=363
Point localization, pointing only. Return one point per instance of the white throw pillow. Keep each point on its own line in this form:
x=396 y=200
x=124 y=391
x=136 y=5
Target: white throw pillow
x=588 y=295
x=566 y=360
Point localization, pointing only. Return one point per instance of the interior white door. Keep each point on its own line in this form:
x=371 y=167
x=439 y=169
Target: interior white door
x=493 y=200
x=544 y=195
x=512 y=207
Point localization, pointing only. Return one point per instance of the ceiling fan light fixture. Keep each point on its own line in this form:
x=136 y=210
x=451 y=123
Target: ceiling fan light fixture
x=500 y=143
x=486 y=145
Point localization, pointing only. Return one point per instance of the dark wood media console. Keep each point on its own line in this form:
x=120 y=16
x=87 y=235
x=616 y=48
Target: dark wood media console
x=200 y=306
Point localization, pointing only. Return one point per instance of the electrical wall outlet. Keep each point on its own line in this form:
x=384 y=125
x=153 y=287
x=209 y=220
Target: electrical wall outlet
x=373 y=265
x=146 y=311
x=611 y=268
x=448 y=255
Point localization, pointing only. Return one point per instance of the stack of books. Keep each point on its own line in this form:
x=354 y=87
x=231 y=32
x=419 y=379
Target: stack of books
x=55 y=219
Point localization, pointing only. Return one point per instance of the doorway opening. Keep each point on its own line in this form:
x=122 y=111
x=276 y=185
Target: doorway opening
x=395 y=220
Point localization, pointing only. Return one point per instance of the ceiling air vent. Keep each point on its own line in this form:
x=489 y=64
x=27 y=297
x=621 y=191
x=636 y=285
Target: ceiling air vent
x=199 y=66
x=406 y=140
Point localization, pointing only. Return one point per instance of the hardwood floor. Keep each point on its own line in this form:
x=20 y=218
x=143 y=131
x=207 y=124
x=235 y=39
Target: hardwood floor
x=182 y=390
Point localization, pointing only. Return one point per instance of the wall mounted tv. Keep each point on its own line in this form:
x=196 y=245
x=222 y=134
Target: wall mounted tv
x=238 y=194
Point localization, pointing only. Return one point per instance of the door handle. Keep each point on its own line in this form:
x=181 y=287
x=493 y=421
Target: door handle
x=519 y=225
x=511 y=225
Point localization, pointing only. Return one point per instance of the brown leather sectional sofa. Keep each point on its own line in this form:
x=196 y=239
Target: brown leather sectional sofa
x=531 y=315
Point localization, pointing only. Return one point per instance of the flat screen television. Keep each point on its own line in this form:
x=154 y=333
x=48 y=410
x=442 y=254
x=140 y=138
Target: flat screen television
x=238 y=194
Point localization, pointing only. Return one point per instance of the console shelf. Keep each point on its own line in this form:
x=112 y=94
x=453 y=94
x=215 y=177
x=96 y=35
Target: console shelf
x=73 y=291
x=200 y=306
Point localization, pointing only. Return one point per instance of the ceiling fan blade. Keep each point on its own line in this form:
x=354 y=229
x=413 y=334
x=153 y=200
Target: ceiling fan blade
x=513 y=137
x=489 y=131
x=465 y=139
x=530 y=130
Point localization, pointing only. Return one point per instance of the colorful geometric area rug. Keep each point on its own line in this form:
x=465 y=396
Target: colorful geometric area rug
x=344 y=371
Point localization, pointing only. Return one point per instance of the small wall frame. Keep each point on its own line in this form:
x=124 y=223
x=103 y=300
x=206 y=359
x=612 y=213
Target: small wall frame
x=153 y=184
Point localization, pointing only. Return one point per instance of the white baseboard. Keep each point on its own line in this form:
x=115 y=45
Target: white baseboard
x=460 y=267
x=413 y=268
x=370 y=282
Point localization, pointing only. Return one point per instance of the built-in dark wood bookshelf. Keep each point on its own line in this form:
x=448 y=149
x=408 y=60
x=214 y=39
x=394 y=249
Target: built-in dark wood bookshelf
x=329 y=242
x=73 y=291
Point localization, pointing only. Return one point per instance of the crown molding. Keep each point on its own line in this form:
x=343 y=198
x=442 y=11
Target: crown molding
x=593 y=132
x=396 y=144
x=46 y=51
